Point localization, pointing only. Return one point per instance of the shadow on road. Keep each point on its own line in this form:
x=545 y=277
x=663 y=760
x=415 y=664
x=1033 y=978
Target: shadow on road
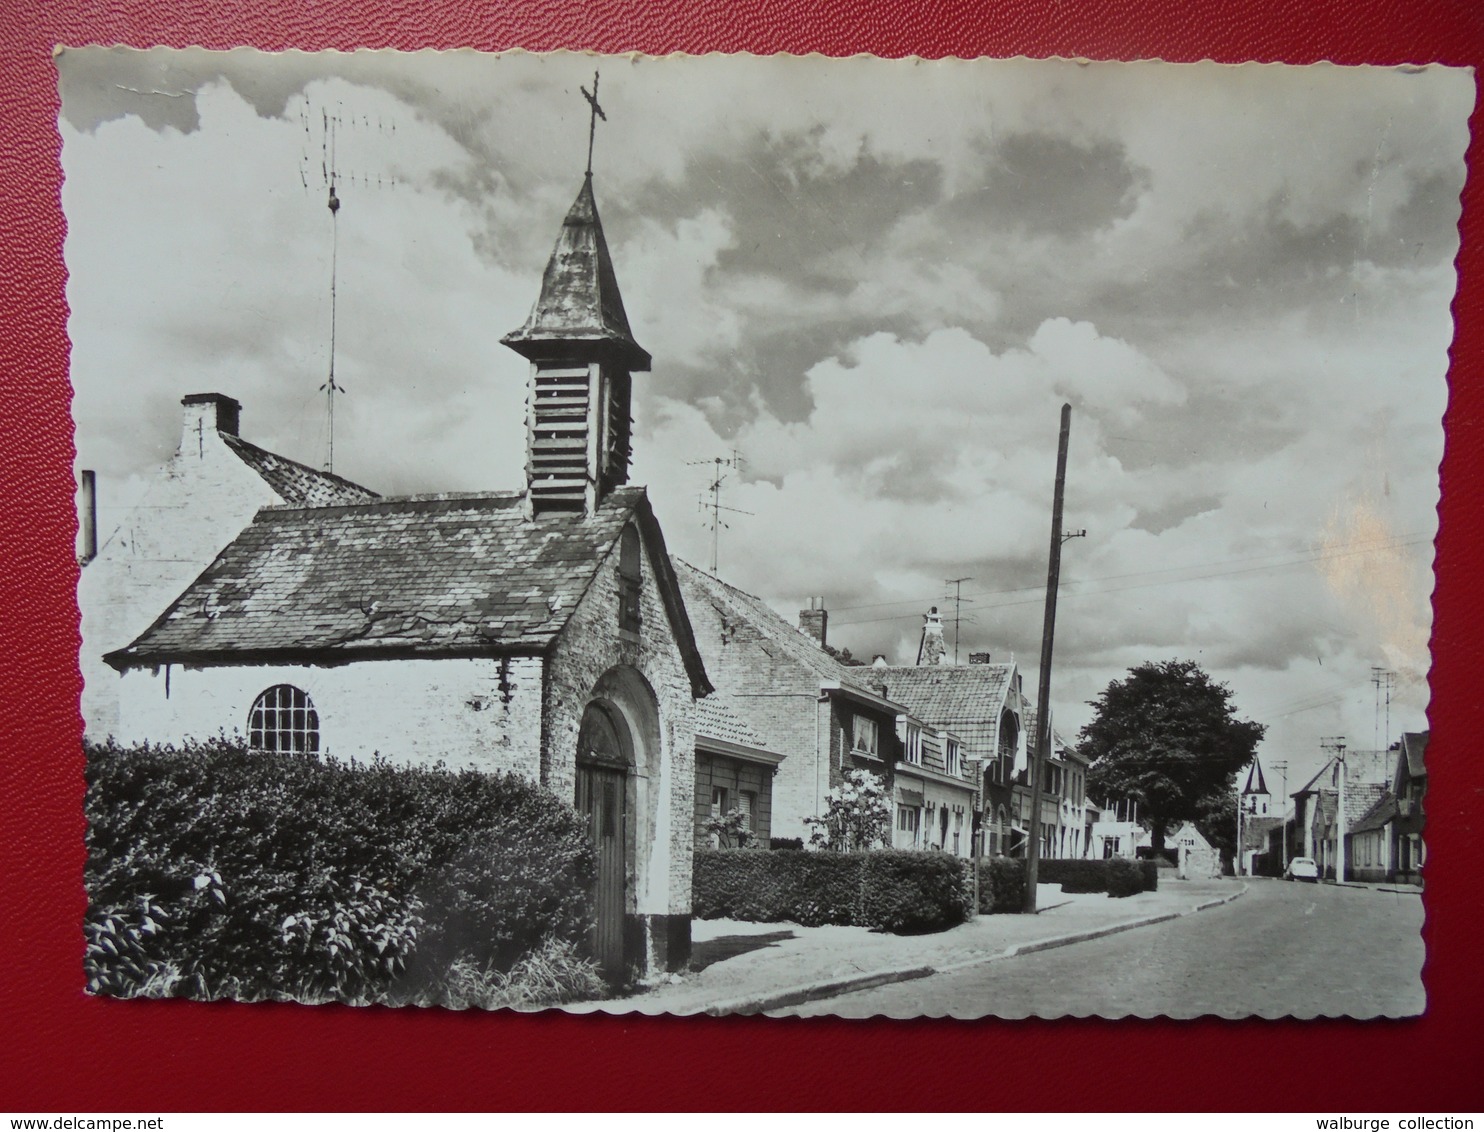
x=730 y=946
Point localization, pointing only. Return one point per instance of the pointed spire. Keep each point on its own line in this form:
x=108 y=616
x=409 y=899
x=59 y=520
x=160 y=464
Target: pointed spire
x=1256 y=784
x=579 y=300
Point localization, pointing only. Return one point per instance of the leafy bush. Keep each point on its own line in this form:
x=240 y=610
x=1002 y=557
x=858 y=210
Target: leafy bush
x=857 y=815
x=1151 y=876
x=1001 y=884
x=1129 y=878
x=216 y=871
x=906 y=891
x=889 y=890
x=1099 y=875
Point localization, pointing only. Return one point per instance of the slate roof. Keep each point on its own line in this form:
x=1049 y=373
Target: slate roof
x=579 y=298
x=1360 y=799
x=1377 y=816
x=793 y=643
x=715 y=720
x=444 y=575
x=964 y=699
x=1414 y=746
x=295 y=483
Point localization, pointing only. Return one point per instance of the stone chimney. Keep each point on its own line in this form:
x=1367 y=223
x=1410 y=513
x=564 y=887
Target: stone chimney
x=979 y=658
x=815 y=620
x=932 y=650
x=208 y=411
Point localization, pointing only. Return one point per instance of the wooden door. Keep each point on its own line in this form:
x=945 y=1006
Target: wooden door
x=600 y=799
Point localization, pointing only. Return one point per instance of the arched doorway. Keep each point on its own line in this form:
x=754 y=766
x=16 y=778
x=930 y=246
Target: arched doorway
x=604 y=755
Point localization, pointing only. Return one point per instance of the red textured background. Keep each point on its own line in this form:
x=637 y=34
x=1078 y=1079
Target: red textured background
x=61 y=1051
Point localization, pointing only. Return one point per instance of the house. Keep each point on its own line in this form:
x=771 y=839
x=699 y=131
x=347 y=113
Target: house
x=981 y=705
x=190 y=509
x=1118 y=832
x=541 y=632
x=734 y=773
x=1316 y=803
x=827 y=718
x=1368 y=845
x=1198 y=858
x=1409 y=787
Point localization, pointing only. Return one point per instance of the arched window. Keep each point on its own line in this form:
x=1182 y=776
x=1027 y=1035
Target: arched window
x=628 y=580
x=283 y=719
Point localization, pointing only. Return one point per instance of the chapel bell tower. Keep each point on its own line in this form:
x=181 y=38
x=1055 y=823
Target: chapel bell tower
x=582 y=356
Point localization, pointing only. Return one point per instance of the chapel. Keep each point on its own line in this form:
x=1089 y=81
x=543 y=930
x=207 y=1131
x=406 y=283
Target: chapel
x=540 y=632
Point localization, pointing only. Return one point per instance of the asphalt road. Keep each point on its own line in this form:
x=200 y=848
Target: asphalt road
x=1283 y=949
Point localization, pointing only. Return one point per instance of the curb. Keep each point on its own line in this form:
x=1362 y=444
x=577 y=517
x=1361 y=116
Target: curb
x=868 y=980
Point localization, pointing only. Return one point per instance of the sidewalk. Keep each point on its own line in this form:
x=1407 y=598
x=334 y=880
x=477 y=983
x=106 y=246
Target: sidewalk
x=740 y=967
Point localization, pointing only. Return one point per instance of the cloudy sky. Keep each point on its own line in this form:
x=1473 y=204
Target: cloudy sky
x=877 y=281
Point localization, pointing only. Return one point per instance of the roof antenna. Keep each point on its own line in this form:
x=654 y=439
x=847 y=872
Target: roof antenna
x=714 y=521
x=332 y=176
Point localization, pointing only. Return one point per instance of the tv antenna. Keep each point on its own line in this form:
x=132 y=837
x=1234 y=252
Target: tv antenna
x=1384 y=680
x=723 y=466
x=958 y=597
x=331 y=177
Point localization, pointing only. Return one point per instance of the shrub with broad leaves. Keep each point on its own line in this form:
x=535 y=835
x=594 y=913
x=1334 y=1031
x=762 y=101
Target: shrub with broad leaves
x=215 y=871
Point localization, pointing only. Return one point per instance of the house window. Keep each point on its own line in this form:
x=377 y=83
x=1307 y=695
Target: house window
x=283 y=719
x=958 y=828
x=718 y=801
x=952 y=759
x=628 y=581
x=909 y=819
x=912 y=748
x=747 y=803
x=863 y=735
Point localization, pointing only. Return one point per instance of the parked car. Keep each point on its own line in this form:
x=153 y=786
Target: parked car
x=1302 y=868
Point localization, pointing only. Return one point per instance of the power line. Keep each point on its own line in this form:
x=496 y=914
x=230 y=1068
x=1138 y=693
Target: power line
x=1388 y=543
x=1075 y=592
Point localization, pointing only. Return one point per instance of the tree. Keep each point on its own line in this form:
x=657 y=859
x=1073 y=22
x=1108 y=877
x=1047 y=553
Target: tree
x=857 y=815
x=1166 y=737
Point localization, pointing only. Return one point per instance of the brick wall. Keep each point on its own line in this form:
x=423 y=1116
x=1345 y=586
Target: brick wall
x=650 y=668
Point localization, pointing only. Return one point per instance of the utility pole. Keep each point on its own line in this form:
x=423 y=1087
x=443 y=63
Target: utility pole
x=1336 y=745
x=958 y=597
x=1241 y=846
x=1043 y=692
x=1282 y=768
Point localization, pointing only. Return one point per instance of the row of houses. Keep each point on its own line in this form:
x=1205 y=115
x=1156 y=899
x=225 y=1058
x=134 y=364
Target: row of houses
x=1382 y=822
x=545 y=632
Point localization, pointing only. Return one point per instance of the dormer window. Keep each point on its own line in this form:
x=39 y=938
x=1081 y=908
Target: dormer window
x=952 y=757
x=863 y=736
x=912 y=744
x=628 y=581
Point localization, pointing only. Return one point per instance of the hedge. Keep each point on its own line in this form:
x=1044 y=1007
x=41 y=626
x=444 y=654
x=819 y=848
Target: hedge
x=1116 y=876
x=216 y=871
x=1001 y=884
x=888 y=890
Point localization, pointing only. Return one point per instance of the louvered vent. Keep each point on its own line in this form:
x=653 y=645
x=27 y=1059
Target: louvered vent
x=559 y=438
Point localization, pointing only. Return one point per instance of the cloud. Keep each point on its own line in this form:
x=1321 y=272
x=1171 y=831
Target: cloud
x=877 y=280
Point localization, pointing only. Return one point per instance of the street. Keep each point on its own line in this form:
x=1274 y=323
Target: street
x=1283 y=949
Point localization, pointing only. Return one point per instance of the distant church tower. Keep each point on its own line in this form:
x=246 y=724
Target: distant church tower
x=582 y=354
x=931 y=649
x=1255 y=795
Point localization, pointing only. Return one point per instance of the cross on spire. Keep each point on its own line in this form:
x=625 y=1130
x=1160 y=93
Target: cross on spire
x=592 y=125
